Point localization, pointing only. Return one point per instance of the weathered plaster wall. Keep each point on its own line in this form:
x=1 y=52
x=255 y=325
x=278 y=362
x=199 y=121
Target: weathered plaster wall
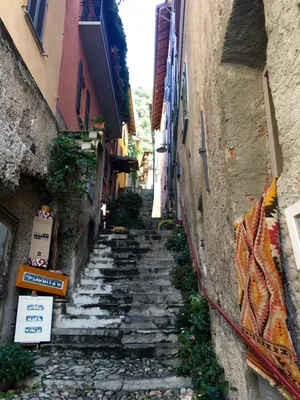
x=26 y=123
x=282 y=24
x=225 y=59
x=27 y=126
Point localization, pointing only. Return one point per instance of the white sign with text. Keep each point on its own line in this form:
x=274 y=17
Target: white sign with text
x=34 y=319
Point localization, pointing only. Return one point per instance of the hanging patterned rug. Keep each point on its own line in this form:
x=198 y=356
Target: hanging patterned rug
x=260 y=288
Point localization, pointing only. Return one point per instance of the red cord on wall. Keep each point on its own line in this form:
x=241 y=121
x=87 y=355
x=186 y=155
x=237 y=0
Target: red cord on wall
x=282 y=379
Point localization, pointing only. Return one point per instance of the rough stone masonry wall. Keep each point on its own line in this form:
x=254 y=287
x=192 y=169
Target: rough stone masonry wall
x=26 y=128
x=224 y=75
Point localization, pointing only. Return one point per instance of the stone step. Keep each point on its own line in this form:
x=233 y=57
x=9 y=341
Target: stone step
x=158 y=310
x=123 y=286
x=128 y=384
x=135 y=322
x=104 y=320
x=114 y=336
x=140 y=350
x=117 y=243
x=118 y=298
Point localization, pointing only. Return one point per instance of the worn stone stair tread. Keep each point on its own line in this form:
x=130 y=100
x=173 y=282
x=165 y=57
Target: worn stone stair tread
x=95 y=332
x=127 y=384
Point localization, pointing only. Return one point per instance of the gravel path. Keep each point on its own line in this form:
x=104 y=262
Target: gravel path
x=72 y=374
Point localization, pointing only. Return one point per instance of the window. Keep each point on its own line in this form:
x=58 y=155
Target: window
x=37 y=11
x=79 y=86
x=184 y=98
x=87 y=110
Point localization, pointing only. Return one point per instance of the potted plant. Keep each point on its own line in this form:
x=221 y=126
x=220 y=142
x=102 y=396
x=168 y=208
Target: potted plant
x=99 y=122
x=16 y=363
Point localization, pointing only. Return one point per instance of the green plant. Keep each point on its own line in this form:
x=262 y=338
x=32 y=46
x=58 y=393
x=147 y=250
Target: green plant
x=98 y=119
x=197 y=351
x=69 y=167
x=117 y=38
x=125 y=210
x=15 y=363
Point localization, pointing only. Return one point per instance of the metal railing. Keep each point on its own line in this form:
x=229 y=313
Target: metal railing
x=93 y=11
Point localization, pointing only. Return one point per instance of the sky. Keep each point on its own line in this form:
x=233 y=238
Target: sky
x=138 y=18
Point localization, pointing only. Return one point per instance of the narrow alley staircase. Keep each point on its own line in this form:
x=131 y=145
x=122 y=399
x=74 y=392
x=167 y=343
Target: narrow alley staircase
x=118 y=329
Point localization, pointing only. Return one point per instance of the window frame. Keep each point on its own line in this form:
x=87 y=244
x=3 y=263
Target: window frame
x=32 y=26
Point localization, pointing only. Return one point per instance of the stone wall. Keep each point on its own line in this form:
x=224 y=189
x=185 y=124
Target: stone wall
x=226 y=45
x=26 y=128
x=26 y=122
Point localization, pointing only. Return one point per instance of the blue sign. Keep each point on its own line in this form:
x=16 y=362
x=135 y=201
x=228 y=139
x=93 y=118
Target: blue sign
x=42 y=280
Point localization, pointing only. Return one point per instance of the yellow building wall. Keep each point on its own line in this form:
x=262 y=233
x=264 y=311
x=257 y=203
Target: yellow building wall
x=44 y=69
x=122 y=144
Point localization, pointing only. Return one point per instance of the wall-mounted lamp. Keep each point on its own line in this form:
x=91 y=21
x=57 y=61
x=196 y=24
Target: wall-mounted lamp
x=162 y=148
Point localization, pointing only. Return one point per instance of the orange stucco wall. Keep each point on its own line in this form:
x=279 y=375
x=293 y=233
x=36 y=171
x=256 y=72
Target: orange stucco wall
x=45 y=70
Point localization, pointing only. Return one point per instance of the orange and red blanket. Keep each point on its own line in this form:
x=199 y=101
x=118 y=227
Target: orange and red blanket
x=260 y=287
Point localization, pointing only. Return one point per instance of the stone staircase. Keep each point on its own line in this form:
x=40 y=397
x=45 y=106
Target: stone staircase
x=147 y=195
x=125 y=301
x=124 y=308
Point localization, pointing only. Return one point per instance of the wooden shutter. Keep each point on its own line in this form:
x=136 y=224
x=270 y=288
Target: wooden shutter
x=203 y=153
x=184 y=104
x=40 y=18
x=87 y=110
x=79 y=87
x=37 y=11
x=32 y=6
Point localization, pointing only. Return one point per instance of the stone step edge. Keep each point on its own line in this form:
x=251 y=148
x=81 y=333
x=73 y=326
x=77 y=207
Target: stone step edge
x=101 y=331
x=125 y=384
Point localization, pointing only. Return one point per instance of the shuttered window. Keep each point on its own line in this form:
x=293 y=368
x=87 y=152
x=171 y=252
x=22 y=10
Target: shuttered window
x=184 y=99
x=79 y=87
x=87 y=110
x=37 y=11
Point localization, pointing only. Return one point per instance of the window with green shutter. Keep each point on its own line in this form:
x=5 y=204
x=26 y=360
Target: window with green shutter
x=184 y=99
x=79 y=86
x=87 y=110
x=37 y=11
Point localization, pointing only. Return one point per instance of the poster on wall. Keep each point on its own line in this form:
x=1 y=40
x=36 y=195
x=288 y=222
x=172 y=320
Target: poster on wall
x=34 y=319
x=40 y=240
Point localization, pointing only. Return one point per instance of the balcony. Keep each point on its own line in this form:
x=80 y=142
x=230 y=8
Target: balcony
x=93 y=33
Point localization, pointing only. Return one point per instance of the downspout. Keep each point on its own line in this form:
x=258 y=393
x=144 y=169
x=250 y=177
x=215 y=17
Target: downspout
x=289 y=386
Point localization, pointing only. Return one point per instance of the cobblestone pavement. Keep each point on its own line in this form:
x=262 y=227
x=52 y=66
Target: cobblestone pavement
x=78 y=375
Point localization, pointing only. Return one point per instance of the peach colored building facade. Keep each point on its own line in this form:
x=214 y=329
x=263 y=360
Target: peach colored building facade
x=42 y=56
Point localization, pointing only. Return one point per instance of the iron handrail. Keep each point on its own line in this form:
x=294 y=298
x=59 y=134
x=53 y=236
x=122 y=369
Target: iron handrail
x=289 y=386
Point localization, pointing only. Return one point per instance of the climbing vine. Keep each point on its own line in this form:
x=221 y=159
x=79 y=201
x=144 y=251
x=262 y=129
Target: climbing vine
x=69 y=167
x=117 y=38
